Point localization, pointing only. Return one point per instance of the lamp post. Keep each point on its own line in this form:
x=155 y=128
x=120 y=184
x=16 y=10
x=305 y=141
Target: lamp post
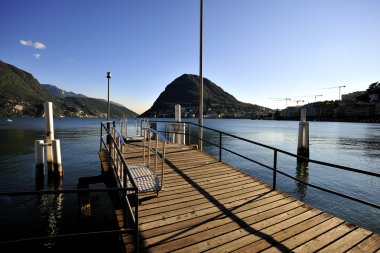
x=108 y=111
x=200 y=114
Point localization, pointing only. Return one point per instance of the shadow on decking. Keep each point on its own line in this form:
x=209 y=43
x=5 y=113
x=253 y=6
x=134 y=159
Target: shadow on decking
x=225 y=213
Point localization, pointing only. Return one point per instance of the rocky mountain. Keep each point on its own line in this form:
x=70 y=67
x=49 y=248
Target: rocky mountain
x=184 y=90
x=22 y=95
x=52 y=89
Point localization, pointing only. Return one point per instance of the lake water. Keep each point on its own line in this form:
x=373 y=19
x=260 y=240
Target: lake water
x=354 y=145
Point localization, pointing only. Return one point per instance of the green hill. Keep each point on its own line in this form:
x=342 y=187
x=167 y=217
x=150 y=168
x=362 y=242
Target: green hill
x=184 y=90
x=22 y=95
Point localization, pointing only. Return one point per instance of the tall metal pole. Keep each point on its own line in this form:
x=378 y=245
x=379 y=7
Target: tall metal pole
x=108 y=99
x=200 y=114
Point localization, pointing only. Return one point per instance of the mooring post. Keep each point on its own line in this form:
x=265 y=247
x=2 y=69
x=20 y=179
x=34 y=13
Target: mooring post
x=39 y=158
x=49 y=128
x=56 y=146
x=179 y=127
x=303 y=136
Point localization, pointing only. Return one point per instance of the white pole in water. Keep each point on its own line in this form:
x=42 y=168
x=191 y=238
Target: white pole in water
x=179 y=127
x=178 y=113
x=49 y=128
x=39 y=157
x=200 y=114
x=56 y=146
x=303 y=136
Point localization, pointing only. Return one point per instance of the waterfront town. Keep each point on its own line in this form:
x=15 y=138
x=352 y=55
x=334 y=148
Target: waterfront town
x=349 y=108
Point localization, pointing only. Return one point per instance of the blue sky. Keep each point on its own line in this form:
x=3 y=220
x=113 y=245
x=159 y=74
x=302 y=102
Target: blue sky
x=254 y=49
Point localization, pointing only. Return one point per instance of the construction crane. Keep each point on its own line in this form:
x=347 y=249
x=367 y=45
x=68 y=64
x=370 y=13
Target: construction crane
x=282 y=99
x=339 y=87
x=297 y=101
x=315 y=97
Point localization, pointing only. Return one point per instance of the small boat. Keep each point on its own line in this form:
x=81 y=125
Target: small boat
x=9 y=120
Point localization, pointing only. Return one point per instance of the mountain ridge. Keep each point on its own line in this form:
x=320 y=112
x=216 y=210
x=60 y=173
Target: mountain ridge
x=22 y=95
x=184 y=90
x=52 y=89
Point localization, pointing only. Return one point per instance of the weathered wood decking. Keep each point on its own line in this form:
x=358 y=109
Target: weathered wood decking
x=207 y=205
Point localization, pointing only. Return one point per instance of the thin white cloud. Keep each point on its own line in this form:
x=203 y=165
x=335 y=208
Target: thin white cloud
x=37 y=56
x=39 y=45
x=29 y=43
x=26 y=43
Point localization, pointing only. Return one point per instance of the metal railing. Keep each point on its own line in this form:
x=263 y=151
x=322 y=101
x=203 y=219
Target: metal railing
x=112 y=143
x=274 y=167
x=147 y=145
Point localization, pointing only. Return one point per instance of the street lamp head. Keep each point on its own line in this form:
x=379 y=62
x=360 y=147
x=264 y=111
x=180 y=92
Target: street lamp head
x=108 y=74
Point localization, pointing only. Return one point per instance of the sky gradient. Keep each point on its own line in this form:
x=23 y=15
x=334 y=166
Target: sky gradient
x=259 y=51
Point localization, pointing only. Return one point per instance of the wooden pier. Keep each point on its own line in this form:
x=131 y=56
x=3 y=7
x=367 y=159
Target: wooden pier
x=207 y=205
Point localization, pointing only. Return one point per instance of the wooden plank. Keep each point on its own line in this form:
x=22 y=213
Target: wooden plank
x=247 y=243
x=347 y=241
x=221 y=212
x=253 y=232
x=217 y=190
x=193 y=191
x=235 y=221
x=235 y=203
x=370 y=244
x=325 y=239
x=217 y=194
x=200 y=200
x=295 y=238
x=205 y=219
x=176 y=219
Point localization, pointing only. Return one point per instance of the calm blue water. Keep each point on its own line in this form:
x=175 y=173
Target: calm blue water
x=351 y=144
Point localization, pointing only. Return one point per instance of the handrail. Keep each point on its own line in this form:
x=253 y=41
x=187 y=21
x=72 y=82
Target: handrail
x=121 y=169
x=147 y=136
x=120 y=136
x=275 y=165
x=119 y=153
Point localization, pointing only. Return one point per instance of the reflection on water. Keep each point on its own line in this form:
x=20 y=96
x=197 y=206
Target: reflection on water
x=50 y=207
x=302 y=173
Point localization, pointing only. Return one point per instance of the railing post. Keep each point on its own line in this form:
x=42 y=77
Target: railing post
x=162 y=164
x=188 y=134
x=274 y=169
x=108 y=132
x=149 y=133
x=124 y=195
x=220 y=146
x=144 y=145
x=101 y=135
x=137 y=222
x=156 y=152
